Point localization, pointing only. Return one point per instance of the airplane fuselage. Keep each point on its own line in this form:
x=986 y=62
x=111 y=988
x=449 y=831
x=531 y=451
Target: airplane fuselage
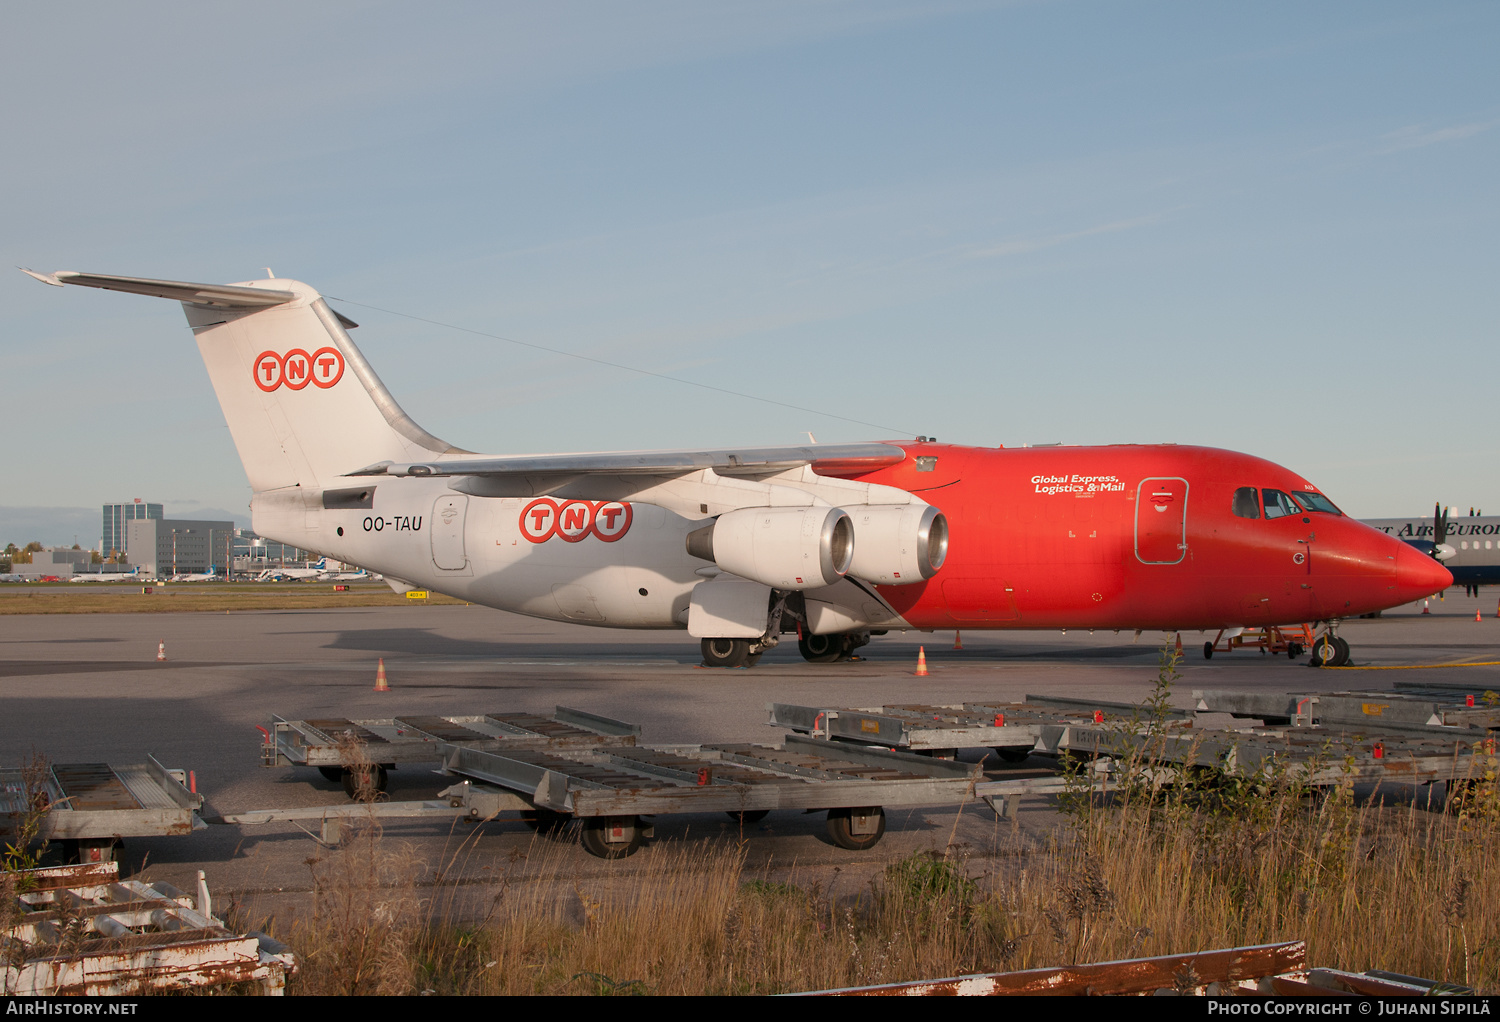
x=1063 y=537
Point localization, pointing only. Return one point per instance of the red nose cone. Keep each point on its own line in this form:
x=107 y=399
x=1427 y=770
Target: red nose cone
x=1418 y=575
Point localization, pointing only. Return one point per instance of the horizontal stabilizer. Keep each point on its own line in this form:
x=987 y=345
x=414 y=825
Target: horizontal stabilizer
x=222 y=296
x=828 y=459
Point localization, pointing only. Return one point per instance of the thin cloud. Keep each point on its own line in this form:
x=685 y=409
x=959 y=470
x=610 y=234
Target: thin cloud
x=1417 y=136
x=1021 y=246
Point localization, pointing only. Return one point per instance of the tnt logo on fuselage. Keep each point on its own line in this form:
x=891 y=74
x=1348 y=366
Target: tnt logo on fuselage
x=575 y=520
x=296 y=369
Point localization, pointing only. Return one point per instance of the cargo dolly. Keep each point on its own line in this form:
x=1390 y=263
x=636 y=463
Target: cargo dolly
x=1013 y=730
x=611 y=790
x=90 y=807
x=1416 y=706
x=1322 y=755
x=329 y=744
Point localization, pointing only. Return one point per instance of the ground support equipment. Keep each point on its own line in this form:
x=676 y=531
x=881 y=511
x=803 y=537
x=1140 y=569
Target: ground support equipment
x=81 y=931
x=1418 y=706
x=1012 y=729
x=609 y=791
x=1293 y=640
x=90 y=807
x=415 y=738
x=1258 y=970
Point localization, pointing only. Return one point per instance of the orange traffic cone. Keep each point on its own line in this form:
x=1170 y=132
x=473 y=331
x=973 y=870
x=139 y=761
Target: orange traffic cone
x=1426 y=608
x=921 y=671
x=161 y=650
x=380 y=682
x=1478 y=616
x=1497 y=610
x=1179 y=644
x=958 y=639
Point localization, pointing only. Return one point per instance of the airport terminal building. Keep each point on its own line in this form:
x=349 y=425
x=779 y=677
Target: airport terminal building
x=116 y=519
x=162 y=547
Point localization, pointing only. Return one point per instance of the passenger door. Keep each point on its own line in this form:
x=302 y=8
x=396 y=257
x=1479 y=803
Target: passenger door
x=1161 y=521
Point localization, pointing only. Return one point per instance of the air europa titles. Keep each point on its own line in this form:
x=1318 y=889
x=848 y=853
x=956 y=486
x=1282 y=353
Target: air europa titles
x=1077 y=484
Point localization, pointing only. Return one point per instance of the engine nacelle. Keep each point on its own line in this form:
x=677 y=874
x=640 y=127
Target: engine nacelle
x=897 y=544
x=782 y=547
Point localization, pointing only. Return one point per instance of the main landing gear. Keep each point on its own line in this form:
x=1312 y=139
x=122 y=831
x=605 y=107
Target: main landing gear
x=828 y=649
x=733 y=652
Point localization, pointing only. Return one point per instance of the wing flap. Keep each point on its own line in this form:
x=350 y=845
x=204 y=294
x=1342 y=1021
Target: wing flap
x=748 y=462
x=222 y=296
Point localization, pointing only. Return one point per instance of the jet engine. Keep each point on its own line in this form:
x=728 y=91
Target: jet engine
x=898 y=544
x=782 y=547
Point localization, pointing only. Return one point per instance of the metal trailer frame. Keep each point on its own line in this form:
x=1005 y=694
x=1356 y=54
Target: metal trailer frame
x=1009 y=728
x=1423 y=708
x=94 y=805
x=1266 y=638
x=418 y=738
x=87 y=933
x=1259 y=970
x=609 y=790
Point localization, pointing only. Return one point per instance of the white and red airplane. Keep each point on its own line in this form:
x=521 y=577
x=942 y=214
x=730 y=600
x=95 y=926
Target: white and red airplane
x=741 y=546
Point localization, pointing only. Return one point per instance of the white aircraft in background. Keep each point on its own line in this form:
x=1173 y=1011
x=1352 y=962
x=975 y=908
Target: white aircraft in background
x=317 y=570
x=208 y=576
x=349 y=576
x=108 y=576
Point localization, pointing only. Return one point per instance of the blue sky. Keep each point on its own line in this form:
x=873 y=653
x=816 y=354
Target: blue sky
x=1270 y=228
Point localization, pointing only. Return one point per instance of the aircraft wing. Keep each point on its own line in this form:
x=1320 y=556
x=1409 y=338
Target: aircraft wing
x=691 y=483
x=825 y=459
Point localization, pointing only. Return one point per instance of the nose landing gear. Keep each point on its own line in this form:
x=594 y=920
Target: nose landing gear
x=1329 y=651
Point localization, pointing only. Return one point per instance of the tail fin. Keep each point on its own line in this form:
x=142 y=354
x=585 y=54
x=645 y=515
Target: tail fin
x=303 y=405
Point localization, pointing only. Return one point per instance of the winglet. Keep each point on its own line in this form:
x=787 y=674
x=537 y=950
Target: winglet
x=45 y=278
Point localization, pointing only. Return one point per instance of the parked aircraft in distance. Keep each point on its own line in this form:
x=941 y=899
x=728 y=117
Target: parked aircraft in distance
x=1468 y=546
x=108 y=576
x=830 y=542
x=207 y=576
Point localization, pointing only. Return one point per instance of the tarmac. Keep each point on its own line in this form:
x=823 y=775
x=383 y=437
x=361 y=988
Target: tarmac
x=88 y=688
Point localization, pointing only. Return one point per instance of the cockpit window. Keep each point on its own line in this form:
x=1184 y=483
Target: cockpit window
x=1316 y=502
x=1245 y=503
x=1278 y=504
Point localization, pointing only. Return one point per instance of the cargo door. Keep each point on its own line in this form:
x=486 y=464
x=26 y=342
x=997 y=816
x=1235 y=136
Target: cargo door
x=448 y=532
x=1161 y=521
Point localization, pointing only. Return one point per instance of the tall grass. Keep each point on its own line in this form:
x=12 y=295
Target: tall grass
x=1202 y=862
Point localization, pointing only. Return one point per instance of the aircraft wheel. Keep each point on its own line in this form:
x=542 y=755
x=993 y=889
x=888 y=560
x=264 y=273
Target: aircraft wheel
x=611 y=837
x=856 y=829
x=1329 y=651
x=372 y=778
x=334 y=774
x=822 y=649
x=754 y=658
x=1343 y=645
x=1014 y=754
x=1208 y=651
x=725 y=652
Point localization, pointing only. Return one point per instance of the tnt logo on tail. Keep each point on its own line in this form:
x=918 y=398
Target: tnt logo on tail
x=296 y=369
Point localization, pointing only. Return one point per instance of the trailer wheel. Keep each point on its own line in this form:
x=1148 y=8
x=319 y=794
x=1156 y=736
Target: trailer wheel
x=334 y=774
x=372 y=779
x=92 y=850
x=856 y=829
x=1013 y=754
x=611 y=837
x=747 y=816
x=545 y=821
